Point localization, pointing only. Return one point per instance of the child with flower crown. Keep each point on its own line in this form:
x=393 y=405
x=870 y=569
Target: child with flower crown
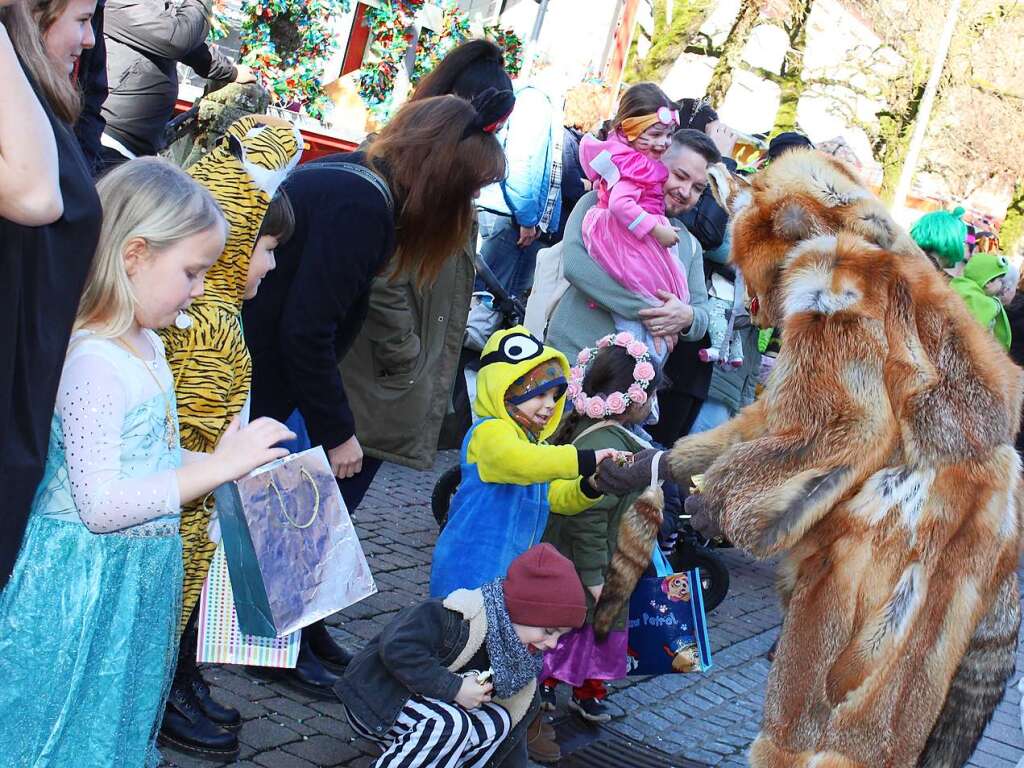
x=627 y=232
x=611 y=389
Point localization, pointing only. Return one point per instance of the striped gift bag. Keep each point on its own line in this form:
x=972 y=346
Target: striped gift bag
x=221 y=641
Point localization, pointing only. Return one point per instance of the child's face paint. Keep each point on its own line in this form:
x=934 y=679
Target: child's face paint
x=654 y=141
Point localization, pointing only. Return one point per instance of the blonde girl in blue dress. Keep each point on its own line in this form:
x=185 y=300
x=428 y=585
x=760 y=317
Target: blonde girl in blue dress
x=88 y=619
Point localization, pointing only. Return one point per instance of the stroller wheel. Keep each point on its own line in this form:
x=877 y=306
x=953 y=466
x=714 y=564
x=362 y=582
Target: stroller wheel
x=714 y=575
x=444 y=490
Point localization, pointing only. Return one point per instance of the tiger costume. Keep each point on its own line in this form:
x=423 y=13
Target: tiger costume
x=211 y=364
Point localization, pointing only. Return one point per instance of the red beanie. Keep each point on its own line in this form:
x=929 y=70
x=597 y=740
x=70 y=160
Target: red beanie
x=543 y=590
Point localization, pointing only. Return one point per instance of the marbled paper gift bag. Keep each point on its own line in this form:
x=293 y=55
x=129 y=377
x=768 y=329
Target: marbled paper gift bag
x=292 y=551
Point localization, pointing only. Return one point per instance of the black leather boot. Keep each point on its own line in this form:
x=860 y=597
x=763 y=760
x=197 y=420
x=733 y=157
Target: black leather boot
x=187 y=729
x=225 y=717
x=310 y=676
x=330 y=654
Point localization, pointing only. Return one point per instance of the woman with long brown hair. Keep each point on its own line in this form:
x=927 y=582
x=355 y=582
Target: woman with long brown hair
x=402 y=208
x=45 y=249
x=412 y=338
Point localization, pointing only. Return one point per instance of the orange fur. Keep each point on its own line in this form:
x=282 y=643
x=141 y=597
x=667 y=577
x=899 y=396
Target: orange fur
x=880 y=464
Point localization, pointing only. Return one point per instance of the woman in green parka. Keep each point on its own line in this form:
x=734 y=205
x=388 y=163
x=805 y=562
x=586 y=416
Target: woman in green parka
x=610 y=389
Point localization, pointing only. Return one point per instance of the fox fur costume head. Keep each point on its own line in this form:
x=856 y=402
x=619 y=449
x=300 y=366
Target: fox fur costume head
x=879 y=464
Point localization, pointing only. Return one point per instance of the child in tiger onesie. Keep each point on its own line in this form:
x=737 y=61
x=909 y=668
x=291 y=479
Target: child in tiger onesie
x=212 y=375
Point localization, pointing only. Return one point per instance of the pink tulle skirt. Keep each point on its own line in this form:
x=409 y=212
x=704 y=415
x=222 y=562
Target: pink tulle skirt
x=642 y=265
x=579 y=657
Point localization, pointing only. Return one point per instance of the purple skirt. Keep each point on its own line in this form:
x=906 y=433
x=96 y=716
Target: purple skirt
x=579 y=657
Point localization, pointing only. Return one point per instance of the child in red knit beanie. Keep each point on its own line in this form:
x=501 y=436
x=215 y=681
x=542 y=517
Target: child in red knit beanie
x=455 y=679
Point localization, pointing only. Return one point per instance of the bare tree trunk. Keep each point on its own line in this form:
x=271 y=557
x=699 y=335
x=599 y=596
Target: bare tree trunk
x=890 y=148
x=791 y=79
x=1011 y=234
x=731 y=50
x=668 y=40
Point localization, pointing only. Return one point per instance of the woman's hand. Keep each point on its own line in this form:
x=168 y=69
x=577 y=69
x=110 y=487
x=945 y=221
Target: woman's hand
x=670 y=319
x=723 y=136
x=242 y=449
x=664 y=344
x=244 y=75
x=472 y=694
x=346 y=459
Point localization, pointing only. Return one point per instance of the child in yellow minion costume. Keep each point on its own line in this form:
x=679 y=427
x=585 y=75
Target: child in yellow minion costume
x=511 y=478
x=212 y=376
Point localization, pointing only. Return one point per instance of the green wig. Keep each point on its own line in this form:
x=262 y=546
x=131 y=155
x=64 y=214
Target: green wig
x=943 y=234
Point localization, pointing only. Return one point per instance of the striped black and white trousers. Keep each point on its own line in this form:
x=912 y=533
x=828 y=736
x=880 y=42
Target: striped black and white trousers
x=432 y=734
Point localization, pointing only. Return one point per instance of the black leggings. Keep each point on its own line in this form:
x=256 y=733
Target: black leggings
x=188 y=648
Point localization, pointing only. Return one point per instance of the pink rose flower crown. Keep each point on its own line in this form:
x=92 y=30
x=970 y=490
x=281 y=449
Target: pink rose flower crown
x=613 y=403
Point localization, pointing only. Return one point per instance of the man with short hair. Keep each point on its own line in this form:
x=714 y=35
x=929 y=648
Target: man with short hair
x=584 y=314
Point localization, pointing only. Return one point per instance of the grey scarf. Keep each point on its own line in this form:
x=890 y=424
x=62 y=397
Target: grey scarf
x=514 y=666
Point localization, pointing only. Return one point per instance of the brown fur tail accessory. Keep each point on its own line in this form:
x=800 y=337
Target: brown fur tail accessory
x=638 y=532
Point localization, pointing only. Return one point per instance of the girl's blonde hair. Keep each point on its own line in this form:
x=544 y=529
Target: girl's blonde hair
x=26 y=24
x=147 y=199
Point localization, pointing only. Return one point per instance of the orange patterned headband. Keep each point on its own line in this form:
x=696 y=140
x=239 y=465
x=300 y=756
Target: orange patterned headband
x=632 y=127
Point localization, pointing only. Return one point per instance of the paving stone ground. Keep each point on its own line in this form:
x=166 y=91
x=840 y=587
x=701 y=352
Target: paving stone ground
x=710 y=718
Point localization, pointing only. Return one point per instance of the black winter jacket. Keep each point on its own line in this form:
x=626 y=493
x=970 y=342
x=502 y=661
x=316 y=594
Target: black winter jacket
x=309 y=309
x=145 y=41
x=411 y=657
x=92 y=78
x=707 y=220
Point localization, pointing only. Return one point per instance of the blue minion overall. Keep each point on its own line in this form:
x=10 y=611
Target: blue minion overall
x=510 y=480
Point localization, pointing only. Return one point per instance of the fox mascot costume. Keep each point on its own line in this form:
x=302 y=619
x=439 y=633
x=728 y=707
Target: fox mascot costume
x=879 y=465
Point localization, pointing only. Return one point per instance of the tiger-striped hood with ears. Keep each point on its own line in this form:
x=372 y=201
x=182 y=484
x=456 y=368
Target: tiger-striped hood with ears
x=244 y=171
x=210 y=361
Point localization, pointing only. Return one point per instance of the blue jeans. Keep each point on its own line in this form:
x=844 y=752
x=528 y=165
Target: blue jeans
x=512 y=265
x=712 y=413
x=352 y=488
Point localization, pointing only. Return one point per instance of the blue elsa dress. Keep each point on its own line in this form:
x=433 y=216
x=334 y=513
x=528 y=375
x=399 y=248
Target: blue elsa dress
x=88 y=620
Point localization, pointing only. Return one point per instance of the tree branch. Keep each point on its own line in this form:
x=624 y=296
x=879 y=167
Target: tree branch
x=708 y=49
x=764 y=74
x=829 y=82
x=993 y=90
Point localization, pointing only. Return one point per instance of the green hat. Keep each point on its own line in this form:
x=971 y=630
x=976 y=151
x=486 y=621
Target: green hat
x=982 y=268
x=987 y=310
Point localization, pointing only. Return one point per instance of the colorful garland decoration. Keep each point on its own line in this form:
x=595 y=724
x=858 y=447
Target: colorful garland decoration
x=286 y=42
x=433 y=46
x=512 y=46
x=220 y=21
x=392 y=25
x=613 y=403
